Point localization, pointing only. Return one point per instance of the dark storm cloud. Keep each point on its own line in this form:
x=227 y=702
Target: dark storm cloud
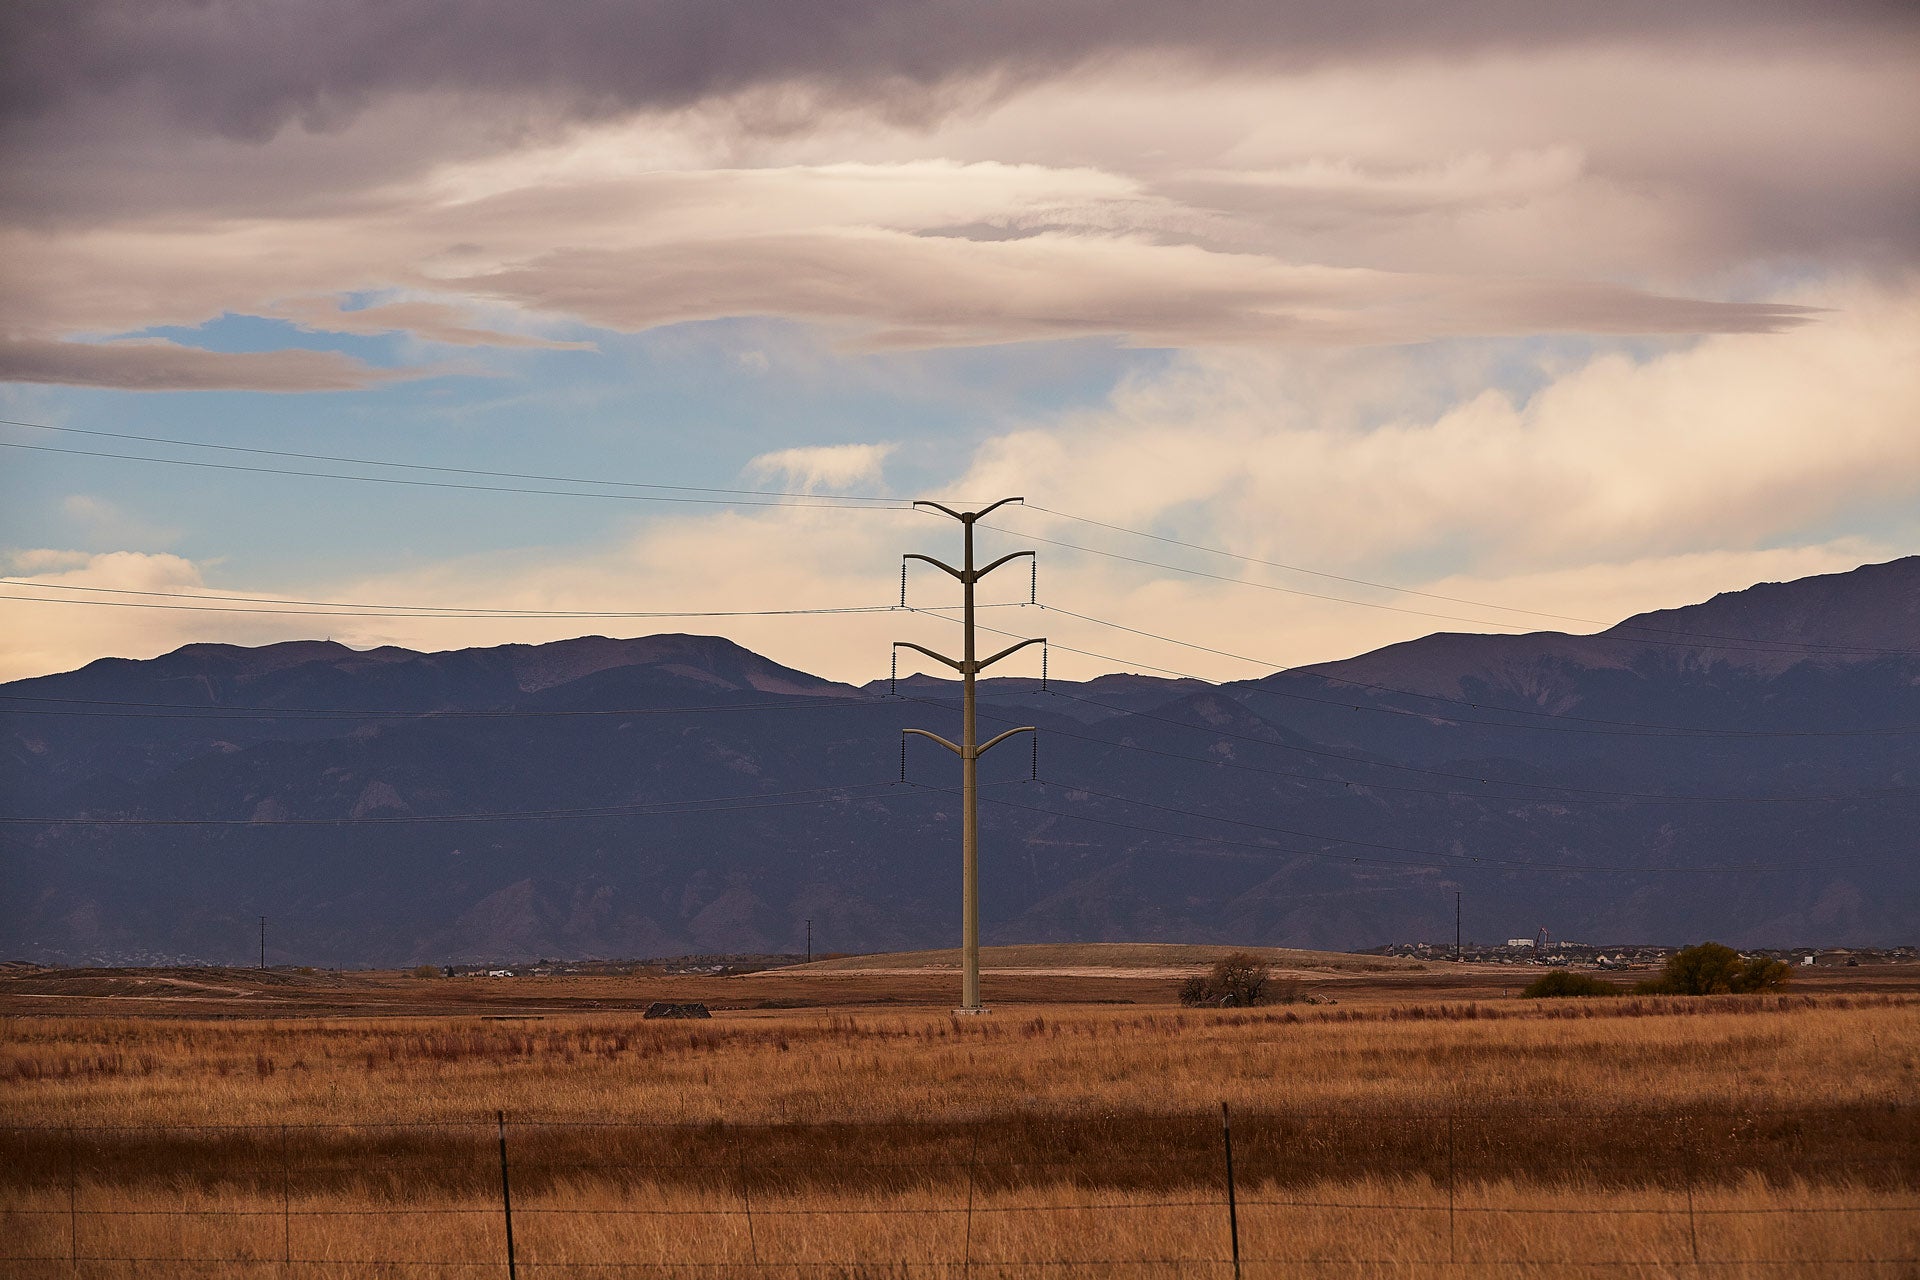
x=244 y=69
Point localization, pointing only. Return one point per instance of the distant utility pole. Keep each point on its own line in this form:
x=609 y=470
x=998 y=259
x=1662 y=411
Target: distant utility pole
x=809 y=942
x=969 y=748
x=1456 y=926
x=263 y=942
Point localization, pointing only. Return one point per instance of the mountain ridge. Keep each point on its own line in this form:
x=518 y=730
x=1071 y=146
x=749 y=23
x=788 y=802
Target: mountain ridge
x=677 y=794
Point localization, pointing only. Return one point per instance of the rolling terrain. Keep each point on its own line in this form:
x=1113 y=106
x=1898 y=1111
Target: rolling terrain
x=1744 y=769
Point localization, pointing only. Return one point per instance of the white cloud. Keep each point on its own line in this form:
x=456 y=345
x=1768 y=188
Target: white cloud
x=1620 y=486
x=833 y=465
x=1731 y=442
x=59 y=626
x=1597 y=188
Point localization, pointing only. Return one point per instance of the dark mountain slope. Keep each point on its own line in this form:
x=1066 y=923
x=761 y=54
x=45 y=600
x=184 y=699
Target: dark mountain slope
x=678 y=793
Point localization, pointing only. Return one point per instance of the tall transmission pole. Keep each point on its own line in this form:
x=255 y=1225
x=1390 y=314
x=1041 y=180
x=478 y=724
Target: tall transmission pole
x=969 y=748
x=263 y=942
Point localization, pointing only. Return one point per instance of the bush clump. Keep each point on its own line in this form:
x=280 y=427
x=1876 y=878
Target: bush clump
x=1561 y=982
x=1238 y=980
x=1711 y=969
x=423 y=971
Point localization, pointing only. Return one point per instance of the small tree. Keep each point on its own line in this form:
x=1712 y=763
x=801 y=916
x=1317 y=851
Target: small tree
x=1241 y=978
x=425 y=971
x=1560 y=982
x=1713 y=969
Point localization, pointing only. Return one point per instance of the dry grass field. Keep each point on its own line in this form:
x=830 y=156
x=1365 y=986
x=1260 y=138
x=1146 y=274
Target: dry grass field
x=1413 y=1128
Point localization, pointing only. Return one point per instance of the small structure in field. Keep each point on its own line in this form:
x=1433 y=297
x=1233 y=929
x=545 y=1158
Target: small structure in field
x=668 y=1009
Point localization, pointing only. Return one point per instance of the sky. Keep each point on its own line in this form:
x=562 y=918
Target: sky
x=1285 y=319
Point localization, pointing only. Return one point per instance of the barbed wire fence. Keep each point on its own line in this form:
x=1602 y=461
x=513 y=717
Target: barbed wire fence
x=1278 y=1193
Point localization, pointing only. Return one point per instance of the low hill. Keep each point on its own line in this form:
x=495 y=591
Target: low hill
x=1120 y=956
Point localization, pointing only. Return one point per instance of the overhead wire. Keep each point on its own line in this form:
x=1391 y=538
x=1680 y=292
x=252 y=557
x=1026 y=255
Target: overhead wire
x=776 y=497
x=191 y=711
x=1687 y=730
x=469 y=615
x=479 y=488
x=414 y=466
x=1431 y=595
x=466 y=471
x=1645 y=732
x=1448 y=862
x=636 y=809
x=1562 y=791
x=385 y=609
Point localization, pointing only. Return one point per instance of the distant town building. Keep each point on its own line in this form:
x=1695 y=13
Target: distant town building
x=1520 y=942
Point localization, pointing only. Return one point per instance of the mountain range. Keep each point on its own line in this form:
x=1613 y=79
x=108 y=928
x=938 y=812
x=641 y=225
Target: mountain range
x=1746 y=769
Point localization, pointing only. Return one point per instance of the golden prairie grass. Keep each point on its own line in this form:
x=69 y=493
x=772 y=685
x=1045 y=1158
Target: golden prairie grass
x=1636 y=1054
x=1567 y=1133
x=1374 y=1225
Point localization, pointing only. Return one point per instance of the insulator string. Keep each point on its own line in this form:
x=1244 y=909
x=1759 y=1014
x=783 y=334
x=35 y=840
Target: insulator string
x=903 y=584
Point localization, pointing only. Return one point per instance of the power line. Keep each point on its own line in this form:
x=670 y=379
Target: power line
x=147 y=710
x=638 y=809
x=470 y=615
x=477 y=615
x=1431 y=595
x=755 y=497
x=465 y=471
x=1460 y=861
x=1368 y=844
x=355 y=608
x=385 y=609
x=190 y=711
x=1591 y=793
x=1741 y=646
x=1650 y=732
x=1332 y=755
x=1687 y=730
x=449 y=484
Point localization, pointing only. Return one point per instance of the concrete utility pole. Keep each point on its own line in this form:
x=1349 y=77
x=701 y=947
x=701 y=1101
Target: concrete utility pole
x=1456 y=926
x=809 y=942
x=969 y=748
x=263 y=942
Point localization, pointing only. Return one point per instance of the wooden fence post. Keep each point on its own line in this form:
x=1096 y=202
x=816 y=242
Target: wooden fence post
x=73 y=1202
x=506 y=1196
x=1233 y=1205
x=746 y=1201
x=973 y=1159
x=286 y=1201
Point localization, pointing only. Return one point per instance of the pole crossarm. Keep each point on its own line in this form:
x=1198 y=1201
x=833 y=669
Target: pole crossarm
x=962 y=574
x=1011 y=555
x=984 y=663
x=953 y=747
x=961 y=667
x=965 y=517
x=996 y=740
x=938 y=564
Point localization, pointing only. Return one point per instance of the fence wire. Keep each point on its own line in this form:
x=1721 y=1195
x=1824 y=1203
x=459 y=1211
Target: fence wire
x=1452 y=1193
